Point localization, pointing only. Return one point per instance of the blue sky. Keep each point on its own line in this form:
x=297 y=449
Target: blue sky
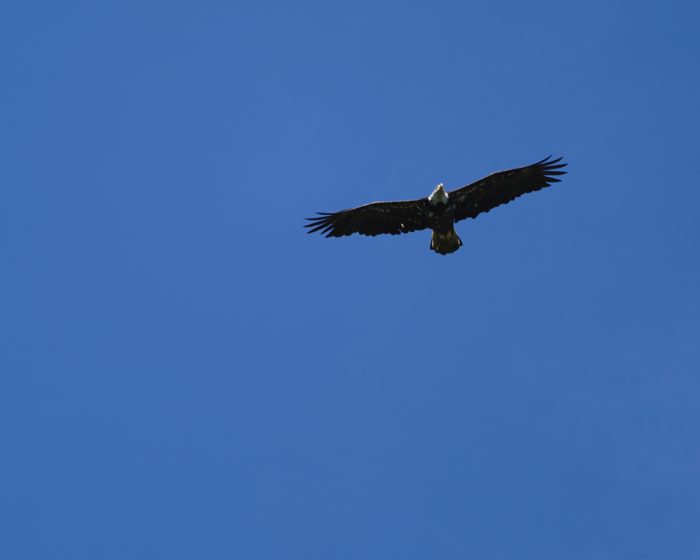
x=187 y=374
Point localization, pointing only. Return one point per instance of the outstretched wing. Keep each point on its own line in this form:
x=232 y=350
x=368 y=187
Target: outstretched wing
x=373 y=219
x=504 y=186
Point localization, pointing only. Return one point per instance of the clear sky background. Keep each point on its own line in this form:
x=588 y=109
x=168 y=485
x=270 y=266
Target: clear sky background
x=186 y=374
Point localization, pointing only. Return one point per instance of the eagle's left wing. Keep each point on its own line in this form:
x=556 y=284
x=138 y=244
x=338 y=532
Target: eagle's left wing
x=373 y=219
x=504 y=186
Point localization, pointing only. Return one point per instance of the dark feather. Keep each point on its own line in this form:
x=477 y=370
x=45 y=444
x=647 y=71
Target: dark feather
x=504 y=186
x=373 y=219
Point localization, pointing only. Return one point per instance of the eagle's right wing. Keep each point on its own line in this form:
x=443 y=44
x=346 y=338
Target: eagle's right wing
x=504 y=186
x=373 y=219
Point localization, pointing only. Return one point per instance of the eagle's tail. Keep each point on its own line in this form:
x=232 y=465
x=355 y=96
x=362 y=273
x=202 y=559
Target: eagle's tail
x=445 y=243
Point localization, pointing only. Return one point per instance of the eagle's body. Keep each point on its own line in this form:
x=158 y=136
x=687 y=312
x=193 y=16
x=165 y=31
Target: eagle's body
x=441 y=219
x=441 y=209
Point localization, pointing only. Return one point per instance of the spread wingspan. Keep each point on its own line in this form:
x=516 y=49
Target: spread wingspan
x=373 y=219
x=504 y=186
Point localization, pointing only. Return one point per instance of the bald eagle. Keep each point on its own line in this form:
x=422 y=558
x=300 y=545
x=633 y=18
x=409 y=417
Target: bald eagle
x=441 y=209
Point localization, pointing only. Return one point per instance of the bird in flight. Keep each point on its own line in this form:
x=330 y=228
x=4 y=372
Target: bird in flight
x=441 y=209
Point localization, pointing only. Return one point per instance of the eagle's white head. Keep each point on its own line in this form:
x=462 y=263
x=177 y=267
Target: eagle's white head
x=439 y=195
